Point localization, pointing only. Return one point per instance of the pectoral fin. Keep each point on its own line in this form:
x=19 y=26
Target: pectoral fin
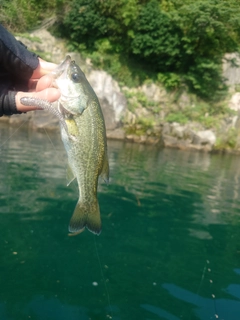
x=69 y=174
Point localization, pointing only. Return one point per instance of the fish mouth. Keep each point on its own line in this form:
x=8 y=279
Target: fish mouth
x=61 y=79
x=62 y=67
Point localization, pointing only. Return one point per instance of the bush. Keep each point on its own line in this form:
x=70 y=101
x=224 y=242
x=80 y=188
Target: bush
x=23 y=15
x=83 y=23
x=157 y=39
x=169 y=41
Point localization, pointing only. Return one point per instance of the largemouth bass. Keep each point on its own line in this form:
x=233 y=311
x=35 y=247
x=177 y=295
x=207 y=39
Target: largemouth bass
x=84 y=137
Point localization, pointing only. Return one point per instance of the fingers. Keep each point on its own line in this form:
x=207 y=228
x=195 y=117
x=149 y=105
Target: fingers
x=50 y=94
x=45 y=82
x=43 y=68
x=40 y=86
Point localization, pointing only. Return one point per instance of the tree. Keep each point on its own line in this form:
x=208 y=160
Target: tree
x=157 y=39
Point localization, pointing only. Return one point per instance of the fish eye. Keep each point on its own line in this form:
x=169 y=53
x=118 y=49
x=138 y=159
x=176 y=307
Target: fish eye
x=75 y=77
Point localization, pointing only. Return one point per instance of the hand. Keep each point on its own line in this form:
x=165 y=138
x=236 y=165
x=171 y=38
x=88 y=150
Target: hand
x=43 y=68
x=40 y=86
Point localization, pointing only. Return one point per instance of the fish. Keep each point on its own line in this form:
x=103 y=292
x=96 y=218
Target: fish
x=83 y=133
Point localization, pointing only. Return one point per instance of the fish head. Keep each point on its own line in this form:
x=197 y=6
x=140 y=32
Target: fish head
x=71 y=81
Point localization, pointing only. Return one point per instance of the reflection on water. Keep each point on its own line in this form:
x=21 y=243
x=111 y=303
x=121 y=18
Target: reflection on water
x=169 y=248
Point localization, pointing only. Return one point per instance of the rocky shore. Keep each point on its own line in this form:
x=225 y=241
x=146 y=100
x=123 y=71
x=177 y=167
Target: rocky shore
x=141 y=115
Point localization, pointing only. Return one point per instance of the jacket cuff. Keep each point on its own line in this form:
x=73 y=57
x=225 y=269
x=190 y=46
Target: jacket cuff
x=8 y=104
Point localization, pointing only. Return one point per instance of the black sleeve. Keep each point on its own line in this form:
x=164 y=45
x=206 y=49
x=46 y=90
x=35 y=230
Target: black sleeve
x=8 y=103
x=16 y=68
x=15 y=57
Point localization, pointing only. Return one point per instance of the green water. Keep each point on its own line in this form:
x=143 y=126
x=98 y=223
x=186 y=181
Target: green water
x=169 y=248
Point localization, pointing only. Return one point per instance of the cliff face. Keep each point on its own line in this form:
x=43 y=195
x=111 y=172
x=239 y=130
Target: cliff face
x=147 y=114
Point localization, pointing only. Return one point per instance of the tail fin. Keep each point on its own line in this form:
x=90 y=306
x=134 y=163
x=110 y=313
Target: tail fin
x=86 y=215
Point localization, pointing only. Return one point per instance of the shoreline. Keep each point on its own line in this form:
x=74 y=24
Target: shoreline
x=31 y=121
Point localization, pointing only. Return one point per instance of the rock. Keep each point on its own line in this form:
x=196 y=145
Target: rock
x=117 y=134
x=178 y=130
x=130 y=118
x=173 y=142
x=46 y=46
x=237 y=123
x=231 y=71
x=234 y=103
x=142 y=112
x=153 y=92
x=189 y=134
x=184 y=100
x=112 y=100
x=132 y=138
x=206 y=137
x=166 y=128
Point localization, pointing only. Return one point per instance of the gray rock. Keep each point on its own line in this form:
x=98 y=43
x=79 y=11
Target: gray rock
x=231 y=71
x=234 y=102
x=205 y=137
x=153 y=92
x=130 y=118
x=117 y=134
x=173 y=142
x=178 y=130
x=112 y=101
x=166 y=128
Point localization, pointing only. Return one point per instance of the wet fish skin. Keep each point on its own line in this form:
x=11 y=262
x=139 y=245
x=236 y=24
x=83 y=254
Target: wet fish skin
x=85 y=143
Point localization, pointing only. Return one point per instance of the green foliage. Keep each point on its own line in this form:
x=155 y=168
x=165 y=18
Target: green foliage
x=173 y=41
x=205 y=78
x=177 y=117
x=156 y=38
x=176 y=42
x=141 y=127
x=211 y=28
x=206 y=114
x=83 y=23
x=22 y=15
x=121 y=16
x=170 y=80
x=137 y=99
x=228 y=140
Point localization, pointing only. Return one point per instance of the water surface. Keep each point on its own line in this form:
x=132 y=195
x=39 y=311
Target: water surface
x=169 y=248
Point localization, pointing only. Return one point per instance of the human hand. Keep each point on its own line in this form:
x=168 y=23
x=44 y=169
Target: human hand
x=40 y=86
x=22 y=73
x=43 y=68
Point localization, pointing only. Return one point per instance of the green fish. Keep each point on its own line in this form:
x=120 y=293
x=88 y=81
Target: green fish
x=84 y=137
